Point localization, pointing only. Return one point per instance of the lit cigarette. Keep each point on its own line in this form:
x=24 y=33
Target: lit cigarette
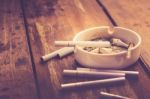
x=61 y=53
x=119 y=42
x=129 y=50
x=95 y=82
x=83 y=43
x=136 y=73
x=113 y=95
x=92 y=73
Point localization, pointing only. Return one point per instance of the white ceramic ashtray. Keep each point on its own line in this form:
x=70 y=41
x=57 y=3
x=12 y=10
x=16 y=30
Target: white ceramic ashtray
x=109 y=60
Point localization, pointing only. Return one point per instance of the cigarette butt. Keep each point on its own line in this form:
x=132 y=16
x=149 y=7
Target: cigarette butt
x=61 y=53
x=49 y=56
x=106 y=50
x=96 y=50
x=111 y=30
x=102 y=50
x=113 y=95
x=128 y=54
x=94 y=82
x=65 y=51
x=92 y=74
x=136 y=73
x=83 y=43
x=119 y=42
x=129 y=51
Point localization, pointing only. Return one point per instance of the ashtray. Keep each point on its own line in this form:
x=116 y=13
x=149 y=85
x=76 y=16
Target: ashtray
x=112 y=60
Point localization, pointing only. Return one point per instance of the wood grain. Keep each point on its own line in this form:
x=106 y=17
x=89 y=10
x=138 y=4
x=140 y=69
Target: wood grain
x=16 y=75
x=133 y=14
x=51 y=20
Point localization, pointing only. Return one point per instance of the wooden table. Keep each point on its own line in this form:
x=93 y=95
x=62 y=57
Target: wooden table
x=28 y=29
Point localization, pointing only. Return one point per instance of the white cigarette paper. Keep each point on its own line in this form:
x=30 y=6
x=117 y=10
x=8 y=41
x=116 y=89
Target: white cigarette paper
x=113 y=95
x=49 y=56
x=61 y=53
x=94 y=82
x=129 y=50
x=119 y=42
x=96 y=50
x=106 y=50
x=128 y=54
x=92 y=73
x=99 y=44
x=136 y=73
x=65 y=51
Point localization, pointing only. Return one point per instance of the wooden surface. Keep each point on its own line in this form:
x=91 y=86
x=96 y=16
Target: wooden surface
x=29 y=28
x=133 y=14
x=16 y=75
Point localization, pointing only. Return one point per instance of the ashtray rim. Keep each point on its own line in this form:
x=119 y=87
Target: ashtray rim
x=112 y=54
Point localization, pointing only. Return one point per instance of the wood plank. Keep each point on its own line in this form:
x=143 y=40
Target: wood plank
x=134 y=15
x=16 y=75
x=50 y=20
x=61 y=20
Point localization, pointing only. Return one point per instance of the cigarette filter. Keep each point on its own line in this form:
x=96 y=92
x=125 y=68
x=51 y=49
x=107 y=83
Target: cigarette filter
x=61 y=53
x=65 y=51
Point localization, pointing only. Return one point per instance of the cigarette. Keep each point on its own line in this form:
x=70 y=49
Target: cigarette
x=96 y=50
x=113 y=95
x=128 y=54
x=95 y=82
x=119 y=42
x=83 y=43
x=136 y=73
x=91 y=74
x=49 y=56
x=65 y=51
x=61 y=53
x=106 y=50
x=129 y=51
